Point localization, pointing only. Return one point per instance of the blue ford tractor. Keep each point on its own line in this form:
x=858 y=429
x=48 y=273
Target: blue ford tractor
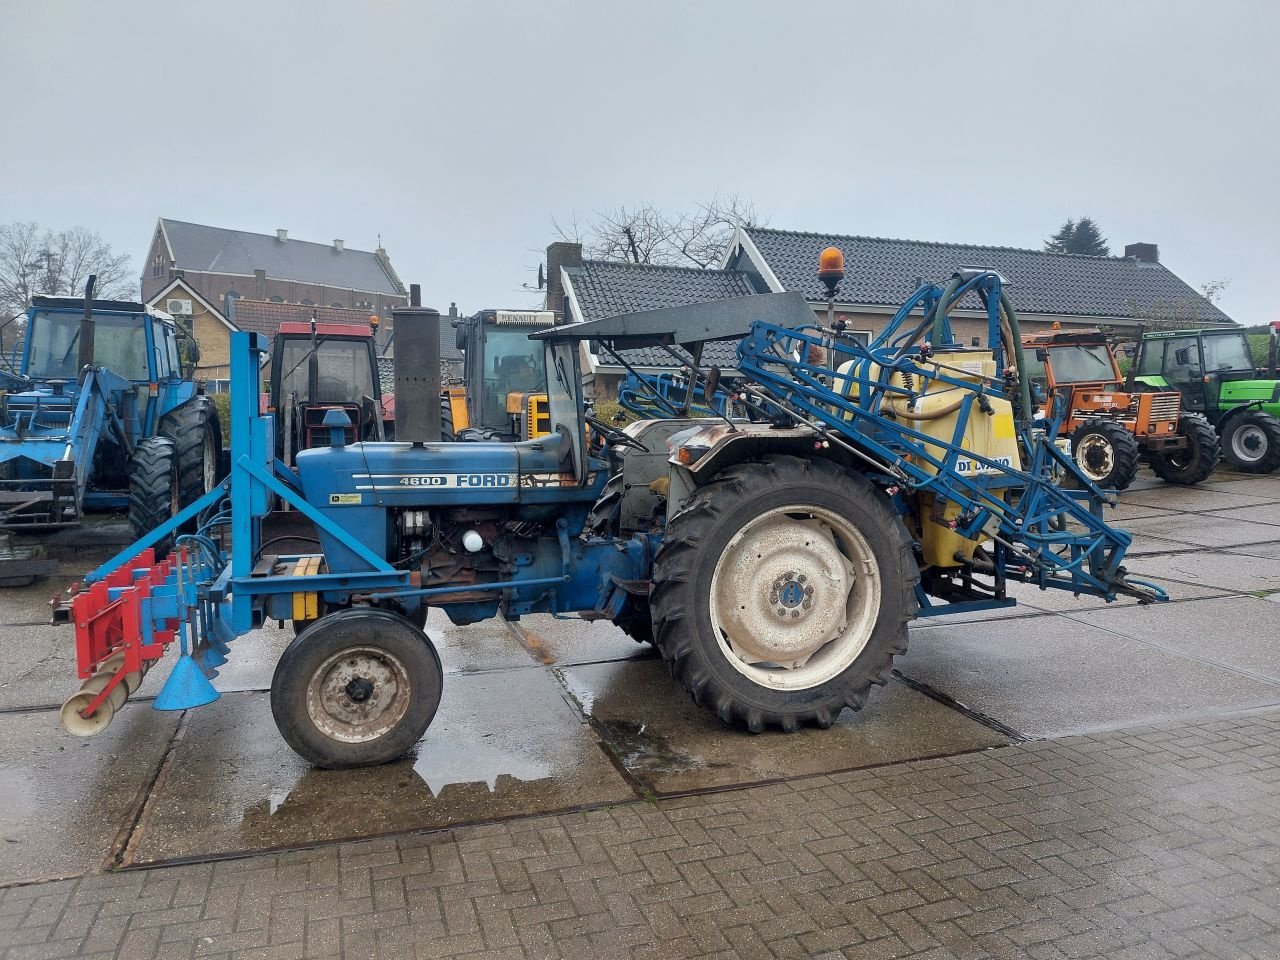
x=775 y=559
x=101 y=412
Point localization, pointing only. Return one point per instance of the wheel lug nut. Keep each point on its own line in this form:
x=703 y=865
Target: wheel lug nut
x=802 y=578
x=807 y=604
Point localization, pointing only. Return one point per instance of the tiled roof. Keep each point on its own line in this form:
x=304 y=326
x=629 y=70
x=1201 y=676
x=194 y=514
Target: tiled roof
x=881 y=271
x=218 y=250
x=605 y=289
x=264 y=317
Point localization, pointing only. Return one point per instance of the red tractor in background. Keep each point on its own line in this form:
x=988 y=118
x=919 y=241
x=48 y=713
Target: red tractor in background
x=317 y=366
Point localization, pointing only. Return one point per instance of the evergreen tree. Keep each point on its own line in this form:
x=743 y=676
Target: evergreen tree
x=1079 y=236
x=1088 y=239
x=1061 y=240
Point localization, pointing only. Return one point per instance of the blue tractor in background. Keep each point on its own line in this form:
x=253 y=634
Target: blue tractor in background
x=101 y=412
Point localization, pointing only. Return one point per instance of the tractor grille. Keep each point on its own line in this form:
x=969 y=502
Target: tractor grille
x=1165 y=406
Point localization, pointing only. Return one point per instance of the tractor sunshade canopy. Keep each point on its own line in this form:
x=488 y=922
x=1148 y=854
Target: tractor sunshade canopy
x=684 y=326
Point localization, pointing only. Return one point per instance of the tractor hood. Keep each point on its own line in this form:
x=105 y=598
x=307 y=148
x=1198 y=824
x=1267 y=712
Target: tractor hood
x=1251 y=391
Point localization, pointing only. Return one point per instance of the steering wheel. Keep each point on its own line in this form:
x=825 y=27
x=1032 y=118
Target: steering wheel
x=615 y=436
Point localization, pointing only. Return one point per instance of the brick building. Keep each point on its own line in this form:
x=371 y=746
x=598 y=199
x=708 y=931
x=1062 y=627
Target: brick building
x=201 y=273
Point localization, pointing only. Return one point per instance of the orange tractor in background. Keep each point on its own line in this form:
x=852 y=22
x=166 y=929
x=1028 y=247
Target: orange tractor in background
x=1112 y=430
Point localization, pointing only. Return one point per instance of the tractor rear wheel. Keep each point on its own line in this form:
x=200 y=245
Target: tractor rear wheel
x=357 y=688
x=782 y=592
x=1196 y=461
x=194 y=429
x=153 y=487
x=1251 y=442
x=1106 y=453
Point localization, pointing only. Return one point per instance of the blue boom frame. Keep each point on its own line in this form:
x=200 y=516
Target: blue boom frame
x=1044 y=533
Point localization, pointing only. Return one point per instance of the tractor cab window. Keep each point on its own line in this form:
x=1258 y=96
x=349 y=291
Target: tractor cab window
x=514 y=364
x=119 y=344
x=1033 y=365
x=1152 y=355
x=1182 y=359
x=1226 y=352
x=564 y=400
x=342 y=371
x=1081 y=363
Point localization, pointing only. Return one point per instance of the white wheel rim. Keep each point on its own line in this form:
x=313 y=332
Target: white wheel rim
x=358 y=695
x=794 y=597
x=1096 y=447
x=1249 y=443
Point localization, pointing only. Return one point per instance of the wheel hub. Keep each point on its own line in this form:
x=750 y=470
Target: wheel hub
x=1096 y=457
x=358 y=695
x=781 y=591
x=1249 y=442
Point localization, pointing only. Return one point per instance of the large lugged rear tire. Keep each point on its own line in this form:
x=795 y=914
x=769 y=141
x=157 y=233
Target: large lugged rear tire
x=195 y=431
x=1251 y=442
x=356 y=688
x=153 y=486
x=1194 y=463
x=782 y=593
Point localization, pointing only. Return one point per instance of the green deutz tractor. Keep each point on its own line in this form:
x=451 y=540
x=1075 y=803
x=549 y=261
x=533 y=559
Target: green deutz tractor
x=1215 y=373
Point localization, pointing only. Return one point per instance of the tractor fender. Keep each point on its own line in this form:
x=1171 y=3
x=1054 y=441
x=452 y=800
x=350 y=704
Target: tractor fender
x=700 y=454
x=1228 y=415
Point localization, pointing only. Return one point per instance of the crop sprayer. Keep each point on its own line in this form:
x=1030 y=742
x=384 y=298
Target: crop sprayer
x=775 y=560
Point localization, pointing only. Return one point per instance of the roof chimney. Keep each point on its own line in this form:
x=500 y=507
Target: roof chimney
x=1143 y=252
x=282 y=234
x=560 y=254
x=337 y=245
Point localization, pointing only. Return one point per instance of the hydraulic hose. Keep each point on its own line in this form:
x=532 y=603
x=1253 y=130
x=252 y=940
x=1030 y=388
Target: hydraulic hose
x=1019 y=361
x=940 y=314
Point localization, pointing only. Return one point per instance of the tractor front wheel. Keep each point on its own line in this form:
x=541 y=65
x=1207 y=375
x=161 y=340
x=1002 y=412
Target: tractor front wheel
x=1251 y=442
x=782 y=593
x=356 y=688
x=1106 y=453
x=1195 y=461
x=153 y=487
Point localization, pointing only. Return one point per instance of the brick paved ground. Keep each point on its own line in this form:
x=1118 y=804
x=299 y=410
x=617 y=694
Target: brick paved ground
x=1154 y=842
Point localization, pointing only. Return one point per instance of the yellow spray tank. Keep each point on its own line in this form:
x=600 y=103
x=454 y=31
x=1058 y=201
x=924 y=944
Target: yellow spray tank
x=935 y=411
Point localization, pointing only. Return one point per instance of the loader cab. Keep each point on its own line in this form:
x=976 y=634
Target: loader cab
x=505 y=372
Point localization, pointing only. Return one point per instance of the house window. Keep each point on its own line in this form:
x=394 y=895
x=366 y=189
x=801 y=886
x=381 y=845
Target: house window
x=233 y=295
x=157 y=265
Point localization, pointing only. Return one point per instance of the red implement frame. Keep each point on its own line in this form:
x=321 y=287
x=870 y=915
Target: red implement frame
x=106 y=627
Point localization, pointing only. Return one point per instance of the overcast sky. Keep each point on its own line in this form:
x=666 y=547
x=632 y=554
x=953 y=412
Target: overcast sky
x=457 y=131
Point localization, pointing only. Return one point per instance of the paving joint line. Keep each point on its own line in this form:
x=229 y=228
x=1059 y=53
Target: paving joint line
x=1014 y=735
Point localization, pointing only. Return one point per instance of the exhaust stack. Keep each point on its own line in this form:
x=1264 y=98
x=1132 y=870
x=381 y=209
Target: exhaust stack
x=417 y=371
x=86 y=324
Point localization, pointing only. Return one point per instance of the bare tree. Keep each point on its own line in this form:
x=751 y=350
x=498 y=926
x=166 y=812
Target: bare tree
x=647 y=234
x=35 y=262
